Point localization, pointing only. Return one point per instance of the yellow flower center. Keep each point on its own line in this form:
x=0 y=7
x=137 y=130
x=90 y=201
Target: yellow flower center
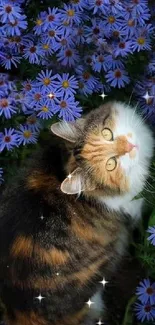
x=65 y=84
x=71 y=13
x=46 y=81
x=39 y=22
x=141 y=40
x=111 y=19
x=46 y=46
x=44 y=109
x=27 y=134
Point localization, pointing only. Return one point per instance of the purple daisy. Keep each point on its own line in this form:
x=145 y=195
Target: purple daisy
x=25 y=135
x=34 y=97
x=66 y=84
x=52 y=36
x=67 y=108
x=6 y=107
x=99 y=62
x=70 y=15
x=78 y=4
x=15 y=28
x=39 y=23
x=146 y=292
x=123 y=48
x=9 y=12
x=52 y=19
x=117 y=78
x=33 y=52
x=45 y=111
x=141 y=42
x=33 y=123
x=145 y=312
x=10 y=58
x=111 y=21
x=45 y=80
x=151 y=238
x=98 y=6
x=8 y=139
x=68 y=56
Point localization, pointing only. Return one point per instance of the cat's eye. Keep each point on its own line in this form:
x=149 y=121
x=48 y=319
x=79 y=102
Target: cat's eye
x=111 y=164
x=107 y=134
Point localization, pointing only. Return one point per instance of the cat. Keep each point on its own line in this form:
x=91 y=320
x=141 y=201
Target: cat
x=66 y=217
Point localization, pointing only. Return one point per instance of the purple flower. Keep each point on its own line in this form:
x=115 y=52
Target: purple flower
x=99 y=62
x=151 y=238
x=111 y=21
x=8 y=139
x=66 y=84
x=78 y=4
x=52 y=19
x=98 y=6
x=129 y=26
x=39 y=23
x=1 y=176
x=145 y=312
x=68 y=56
x=70 y=15
x=15 y=28
x=52 y=36
x=33 y=123
x=9 y=12
x=67 y=108
x=34 y=96
x=146 y=292
x=33 y=53
x=45 y=80
x=6 y=107
x=117 y=78
x=45 y=110
x=123 y=48
x=10 y=58
x=25 y=135
x=141 y=42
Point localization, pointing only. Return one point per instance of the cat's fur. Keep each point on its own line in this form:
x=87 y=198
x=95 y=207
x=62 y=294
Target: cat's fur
x=59 y=235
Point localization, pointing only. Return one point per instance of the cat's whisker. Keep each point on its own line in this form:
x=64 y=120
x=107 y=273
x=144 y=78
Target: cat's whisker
x=129 y=102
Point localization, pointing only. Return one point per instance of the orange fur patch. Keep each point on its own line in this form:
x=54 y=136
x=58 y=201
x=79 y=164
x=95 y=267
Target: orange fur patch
x=26 y=319
x=38 y=181
x=26 y=247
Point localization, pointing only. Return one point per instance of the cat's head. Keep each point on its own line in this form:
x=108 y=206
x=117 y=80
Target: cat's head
x=112 y=148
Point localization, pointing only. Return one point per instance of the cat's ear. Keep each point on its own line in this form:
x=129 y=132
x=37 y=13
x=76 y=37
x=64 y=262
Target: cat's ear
x=75 y=183
x=68 y=130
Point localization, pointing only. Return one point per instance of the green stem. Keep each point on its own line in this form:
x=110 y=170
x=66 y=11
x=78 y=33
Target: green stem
x=126 y=316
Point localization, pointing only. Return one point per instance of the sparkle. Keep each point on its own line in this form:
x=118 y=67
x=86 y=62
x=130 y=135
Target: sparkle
x=7 y=266
x=40 y=297
x=103 y=95
x=89 y=303
x=57 y=273
x=103 y=282
x=147 y=97
x=50 y=95
x=69 y=176
x=42 y=217
x=100 y=322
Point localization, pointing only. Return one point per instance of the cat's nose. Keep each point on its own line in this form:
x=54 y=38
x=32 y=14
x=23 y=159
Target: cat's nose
x=123 y=145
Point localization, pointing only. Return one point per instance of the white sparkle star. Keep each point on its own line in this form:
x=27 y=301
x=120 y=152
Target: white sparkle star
x=50 y=95
x=57 y=274
x=89 y=303
x=42 y=217
x=40 y=297
x=147 y=97
x=100 y=322
x=69 y=176
x=103 y=95
x=103 y=282
x=7 y=266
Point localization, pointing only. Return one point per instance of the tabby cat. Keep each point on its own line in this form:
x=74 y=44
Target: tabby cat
x=66 y=217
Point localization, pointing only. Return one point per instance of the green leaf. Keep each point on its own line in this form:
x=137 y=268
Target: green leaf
x=128 y=317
